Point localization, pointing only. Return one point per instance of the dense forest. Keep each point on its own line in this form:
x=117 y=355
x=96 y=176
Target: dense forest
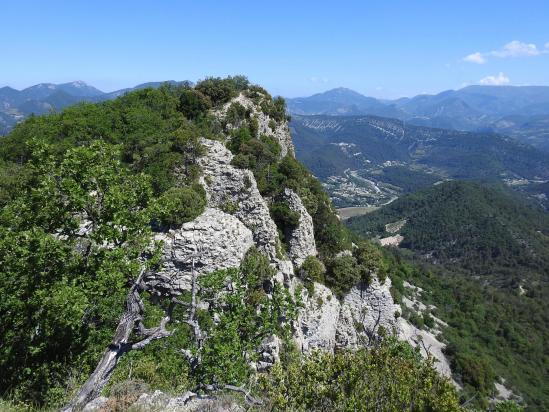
x=481 y=254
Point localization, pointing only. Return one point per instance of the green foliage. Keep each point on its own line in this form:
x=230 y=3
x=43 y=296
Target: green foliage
x=389 y=377
x=475 y=371
x=312 y=270
x=179 y=205
x=283 y=216
x=275 y=109
x=246 y=316
x=491 y=331
x=62 y=293
x=193 y=104
x=220 y=90
x=153 y=134
x=236 y=114
x=342 y=274
x=355 y=269
x=428 y=320
x=484 y=229
x=473 y=230
x=508 y=406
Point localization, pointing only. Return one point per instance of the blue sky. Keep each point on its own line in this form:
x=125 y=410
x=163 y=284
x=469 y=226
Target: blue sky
x=293 y=48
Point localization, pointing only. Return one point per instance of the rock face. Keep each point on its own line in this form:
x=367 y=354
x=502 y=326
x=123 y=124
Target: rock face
x=216 y=239
x=428 y=345
x=326 y=323
x=317 y=321
x=160 y=402
x=269 y=352
x=235 y=190
x=364 y=311
x=301 y=242
x=237 y=218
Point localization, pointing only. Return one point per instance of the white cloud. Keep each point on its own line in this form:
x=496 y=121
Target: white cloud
x=512 y=49
x=517 y=49
x=498 y=80
x=477 y=58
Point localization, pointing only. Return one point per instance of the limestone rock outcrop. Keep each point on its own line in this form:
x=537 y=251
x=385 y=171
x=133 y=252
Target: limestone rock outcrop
x=215 y=240
x=235 y=190
x=316 y=323
x=326 y=323
x=363 y=312
x=301 y=240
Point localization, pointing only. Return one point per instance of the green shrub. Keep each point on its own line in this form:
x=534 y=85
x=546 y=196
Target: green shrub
x=417 y=320
x=179 y=205
x=236 y=114
x=242 y=161
x=428 y=320
x=342 y=274
x=193 y=104
x=312 y=270
x=390 y=377
x=474 y=371
x=370 y=260
x=218 y=90
x=285 y=218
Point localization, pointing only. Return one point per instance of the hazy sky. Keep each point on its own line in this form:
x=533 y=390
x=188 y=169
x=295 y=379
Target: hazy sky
x=293 y=48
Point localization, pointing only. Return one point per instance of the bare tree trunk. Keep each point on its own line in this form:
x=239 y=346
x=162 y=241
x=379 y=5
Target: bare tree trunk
x=130 y=319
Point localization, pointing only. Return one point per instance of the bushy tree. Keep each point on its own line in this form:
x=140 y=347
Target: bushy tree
x=312 y=270
x=193 y=104
x=69 y=245
x=218 y=90
x=342 y=274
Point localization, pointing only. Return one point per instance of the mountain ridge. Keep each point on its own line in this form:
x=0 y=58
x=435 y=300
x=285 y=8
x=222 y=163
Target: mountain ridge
x=43 y=98
x=472 y=108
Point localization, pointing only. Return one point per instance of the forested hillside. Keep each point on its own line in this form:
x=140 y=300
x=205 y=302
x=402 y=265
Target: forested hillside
x=484 y=254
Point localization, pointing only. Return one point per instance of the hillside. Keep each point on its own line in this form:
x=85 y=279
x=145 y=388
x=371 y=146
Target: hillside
x=486 y=230
x=367 y=160
x=485 y=258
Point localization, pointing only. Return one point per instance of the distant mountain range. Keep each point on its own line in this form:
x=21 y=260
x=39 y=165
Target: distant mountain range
x=43 y=98
x=518 y=111
x=371 y=160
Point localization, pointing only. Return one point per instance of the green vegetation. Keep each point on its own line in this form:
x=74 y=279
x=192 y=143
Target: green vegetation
x=390 y=377
x=219 y=90
x=408 y=180
x=80 y=193
x=261 y=154
x=492 y=331
x=246 y=315
x=482 y=257
x=62 y=292
x=487 y=230
x=179 y=205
